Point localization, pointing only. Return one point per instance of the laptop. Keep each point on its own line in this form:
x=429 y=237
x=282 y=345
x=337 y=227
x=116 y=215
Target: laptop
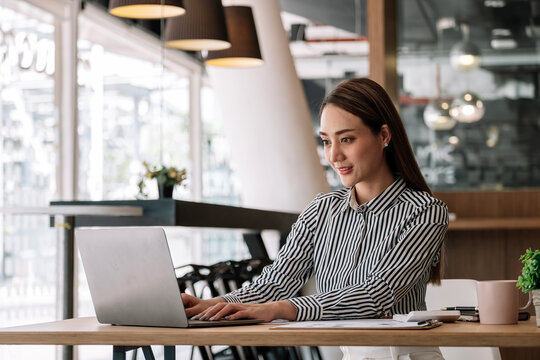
x=132 y=279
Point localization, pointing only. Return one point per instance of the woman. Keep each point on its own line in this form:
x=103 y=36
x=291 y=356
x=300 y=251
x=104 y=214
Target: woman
x=372 y=246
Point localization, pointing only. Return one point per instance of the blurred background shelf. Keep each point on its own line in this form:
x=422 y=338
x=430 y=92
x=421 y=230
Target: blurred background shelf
x=495 y=224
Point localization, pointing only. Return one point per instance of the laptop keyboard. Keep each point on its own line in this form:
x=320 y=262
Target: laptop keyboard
x=222 y=322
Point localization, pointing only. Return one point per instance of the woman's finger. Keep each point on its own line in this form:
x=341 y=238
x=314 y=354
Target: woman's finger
x=227 y=311
x=194 y=306
x=242 y=314
x=209 y=312
x=195 y=310
x=189 y=301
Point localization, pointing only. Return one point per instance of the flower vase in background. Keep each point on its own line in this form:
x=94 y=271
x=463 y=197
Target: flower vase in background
x=165 y=191
x=166 y=177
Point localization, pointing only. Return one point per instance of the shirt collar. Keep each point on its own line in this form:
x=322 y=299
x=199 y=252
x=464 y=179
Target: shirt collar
x=378 y=203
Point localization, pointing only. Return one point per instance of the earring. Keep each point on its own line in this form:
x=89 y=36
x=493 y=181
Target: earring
x=385 y=144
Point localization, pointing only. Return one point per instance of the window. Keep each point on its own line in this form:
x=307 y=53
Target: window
x=28 y=166
x=220 y=186
x=130 y=111
x=482 y=134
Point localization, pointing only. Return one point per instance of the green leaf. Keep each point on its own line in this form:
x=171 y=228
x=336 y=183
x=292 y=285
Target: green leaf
x=530 y=274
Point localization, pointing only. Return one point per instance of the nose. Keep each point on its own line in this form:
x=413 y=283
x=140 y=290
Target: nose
x=334 y=153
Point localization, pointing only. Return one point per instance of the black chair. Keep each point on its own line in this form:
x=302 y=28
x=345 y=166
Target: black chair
x=219 y=279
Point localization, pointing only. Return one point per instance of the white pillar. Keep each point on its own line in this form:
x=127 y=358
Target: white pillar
x=195 y=139
x=268 y=122
x=66 y=33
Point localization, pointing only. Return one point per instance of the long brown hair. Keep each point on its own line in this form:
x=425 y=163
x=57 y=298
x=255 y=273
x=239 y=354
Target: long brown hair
x=367 y=100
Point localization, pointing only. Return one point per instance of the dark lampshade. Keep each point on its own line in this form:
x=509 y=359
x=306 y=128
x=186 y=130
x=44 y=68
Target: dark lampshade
x=244 y=50
x=146 y=9
x=201 y=28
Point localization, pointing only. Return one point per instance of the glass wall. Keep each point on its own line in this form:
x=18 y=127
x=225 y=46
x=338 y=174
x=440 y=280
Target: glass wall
x=220 y=185
x=131 y=108
x=468 y=85
x=469 y=92
x=130 y=111
x=28 y=169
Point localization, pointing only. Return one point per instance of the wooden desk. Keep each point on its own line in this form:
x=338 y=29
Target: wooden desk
x=87 y=331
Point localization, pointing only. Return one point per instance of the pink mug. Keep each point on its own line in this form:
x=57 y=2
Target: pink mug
x=498 y=301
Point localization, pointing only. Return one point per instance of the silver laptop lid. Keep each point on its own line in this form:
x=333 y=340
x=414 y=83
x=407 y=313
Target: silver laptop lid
x=131 y=276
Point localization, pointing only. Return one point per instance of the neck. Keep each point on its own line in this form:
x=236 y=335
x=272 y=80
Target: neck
x=369 y=189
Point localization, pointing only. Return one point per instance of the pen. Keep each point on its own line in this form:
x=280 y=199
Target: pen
x=461 y=308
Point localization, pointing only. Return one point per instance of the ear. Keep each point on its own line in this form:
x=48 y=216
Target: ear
x=385 y=135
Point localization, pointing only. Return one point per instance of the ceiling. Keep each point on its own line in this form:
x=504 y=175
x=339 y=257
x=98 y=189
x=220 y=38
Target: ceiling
x=418 y=34
x=417 y=29
x=348 y=15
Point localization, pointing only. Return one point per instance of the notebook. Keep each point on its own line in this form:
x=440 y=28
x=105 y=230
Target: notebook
x=132 y=280
x=440 y=315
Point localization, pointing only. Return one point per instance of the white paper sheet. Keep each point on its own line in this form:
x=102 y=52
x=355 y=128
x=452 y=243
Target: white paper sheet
x=358 y=324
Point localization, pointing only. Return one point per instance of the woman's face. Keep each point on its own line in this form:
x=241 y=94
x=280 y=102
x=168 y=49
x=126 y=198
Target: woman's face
x=350 y=147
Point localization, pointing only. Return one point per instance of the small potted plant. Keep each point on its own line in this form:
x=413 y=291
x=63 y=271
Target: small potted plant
x=529 y=280
x=167 y=178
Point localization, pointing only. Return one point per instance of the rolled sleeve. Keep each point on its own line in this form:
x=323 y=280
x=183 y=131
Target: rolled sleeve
x=307 y=308
x=231 y=298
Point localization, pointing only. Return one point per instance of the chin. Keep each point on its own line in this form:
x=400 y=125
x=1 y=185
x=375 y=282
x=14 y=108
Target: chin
x=348 y=182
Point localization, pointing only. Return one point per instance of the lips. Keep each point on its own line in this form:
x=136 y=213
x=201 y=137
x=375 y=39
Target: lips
x=343 y=170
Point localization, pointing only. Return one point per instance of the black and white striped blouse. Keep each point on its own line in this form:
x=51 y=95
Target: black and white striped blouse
x=368 y=261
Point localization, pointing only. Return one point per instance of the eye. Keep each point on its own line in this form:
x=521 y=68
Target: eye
x=325 y=142
x=346 y=140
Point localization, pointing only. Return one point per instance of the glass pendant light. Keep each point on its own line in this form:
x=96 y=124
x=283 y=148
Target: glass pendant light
x=465 y=55
x=437 y=112
x=437 y=115
x=244 y=50
x=203 y=27
x=146 y=9
x=467 y=108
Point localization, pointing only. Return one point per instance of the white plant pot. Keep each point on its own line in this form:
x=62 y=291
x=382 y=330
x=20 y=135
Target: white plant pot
x=536 y=302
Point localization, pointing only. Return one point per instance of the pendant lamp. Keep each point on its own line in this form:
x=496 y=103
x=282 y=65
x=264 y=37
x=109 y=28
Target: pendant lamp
x=203 y=27
x=437 y=115
x=146 y=9
x=437 y=112
x=467 y=108
x=465 y=55
x=244 y=50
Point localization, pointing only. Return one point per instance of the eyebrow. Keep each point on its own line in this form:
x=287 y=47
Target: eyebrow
x=339 y=132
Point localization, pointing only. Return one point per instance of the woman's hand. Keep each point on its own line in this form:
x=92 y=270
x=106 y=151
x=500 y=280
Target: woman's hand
x=194 y=305
x=232 y=311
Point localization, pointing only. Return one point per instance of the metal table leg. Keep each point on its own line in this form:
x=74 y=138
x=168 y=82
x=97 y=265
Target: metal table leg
x=169 y=353
x=68 y=289
x=119 y=352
